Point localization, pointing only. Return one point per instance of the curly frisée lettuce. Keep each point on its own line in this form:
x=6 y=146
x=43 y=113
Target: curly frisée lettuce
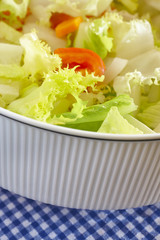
x=38 y=58
x=59 y=93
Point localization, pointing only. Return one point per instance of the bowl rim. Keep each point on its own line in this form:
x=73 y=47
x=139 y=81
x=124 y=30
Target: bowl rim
x=75 y=132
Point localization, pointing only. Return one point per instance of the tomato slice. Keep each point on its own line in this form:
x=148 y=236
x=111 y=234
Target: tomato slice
x=85 y=59
x=58 y=18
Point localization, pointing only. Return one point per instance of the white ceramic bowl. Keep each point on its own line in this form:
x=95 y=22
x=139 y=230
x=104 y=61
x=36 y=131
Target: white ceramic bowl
x=78 y=169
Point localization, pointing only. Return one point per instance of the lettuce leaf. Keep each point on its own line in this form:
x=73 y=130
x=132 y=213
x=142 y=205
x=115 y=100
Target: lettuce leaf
x=59 y=93
x=141 y=88
x=151 y=115
x=137 y=124
x=21 y=65
x=130 y=5
x=8 y=93
x=157 y=129
x=130 y=38
x=15 y=8
x=38 y=58
x=154 y=3
x=42 y=10
x=46 y=34
x=9 y=34
x=93 y=116
x=94 y=35
x=80 y=8
x=114 y=67
x=146 y=63
x=10 y=54
x=117 y=124
x=12 y=81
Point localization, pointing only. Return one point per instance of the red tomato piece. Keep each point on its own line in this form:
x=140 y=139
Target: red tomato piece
x=85 y=59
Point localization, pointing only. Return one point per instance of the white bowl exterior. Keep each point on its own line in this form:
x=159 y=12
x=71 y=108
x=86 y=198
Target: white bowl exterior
x=78 y=172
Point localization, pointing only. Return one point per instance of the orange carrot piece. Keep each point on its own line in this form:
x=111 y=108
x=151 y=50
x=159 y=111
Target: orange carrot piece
x=68 y=26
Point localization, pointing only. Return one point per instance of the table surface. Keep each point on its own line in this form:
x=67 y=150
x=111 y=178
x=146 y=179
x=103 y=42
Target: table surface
x=22 y=218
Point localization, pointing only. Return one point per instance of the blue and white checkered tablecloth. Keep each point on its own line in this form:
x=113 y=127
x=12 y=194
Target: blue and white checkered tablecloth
x=22 y=218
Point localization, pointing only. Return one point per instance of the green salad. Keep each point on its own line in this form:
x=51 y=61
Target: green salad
x=90 y=65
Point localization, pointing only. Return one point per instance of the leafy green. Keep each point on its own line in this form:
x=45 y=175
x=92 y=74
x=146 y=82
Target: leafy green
x=8 y=93
x=130 y=5
x=94 y=35
x=139 y=86
x=130 y=38
x=10 y=54
x=93 y=116
x=137 y=124
x=77 y=8
x=117 y=124
x=38 y=58
x=15 y=8
x=151 y=115
x=59 y=93
x=8 y=33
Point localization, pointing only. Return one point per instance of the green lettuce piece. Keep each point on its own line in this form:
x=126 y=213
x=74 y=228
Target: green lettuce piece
x=42 y=10
x=130 y=38
x=11 y=71
x=154 y=3
x=117 y=124
x=130 y=5
x=141 y=88
x=94 y=35
x=80 y=8
x=10 y=53
x=150 y=10
x=157 y=129
x=151 y=115
x=147 y=63
x=137 y=124
x=9 y=34
x=22 y=66
x=18 y=9
x=59 y=93
x=8 y=93
x=38 y=58
x=12 y=81
x=93 y=116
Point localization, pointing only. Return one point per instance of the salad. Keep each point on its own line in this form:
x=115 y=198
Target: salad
x=89 y=65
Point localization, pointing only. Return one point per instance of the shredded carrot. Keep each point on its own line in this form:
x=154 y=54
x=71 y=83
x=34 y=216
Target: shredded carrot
x=68 y=26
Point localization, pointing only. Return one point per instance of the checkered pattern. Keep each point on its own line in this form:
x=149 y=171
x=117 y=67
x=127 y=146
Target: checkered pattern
x=21 y=218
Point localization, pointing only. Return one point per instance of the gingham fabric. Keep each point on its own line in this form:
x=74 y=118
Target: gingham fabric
x=22 y=218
